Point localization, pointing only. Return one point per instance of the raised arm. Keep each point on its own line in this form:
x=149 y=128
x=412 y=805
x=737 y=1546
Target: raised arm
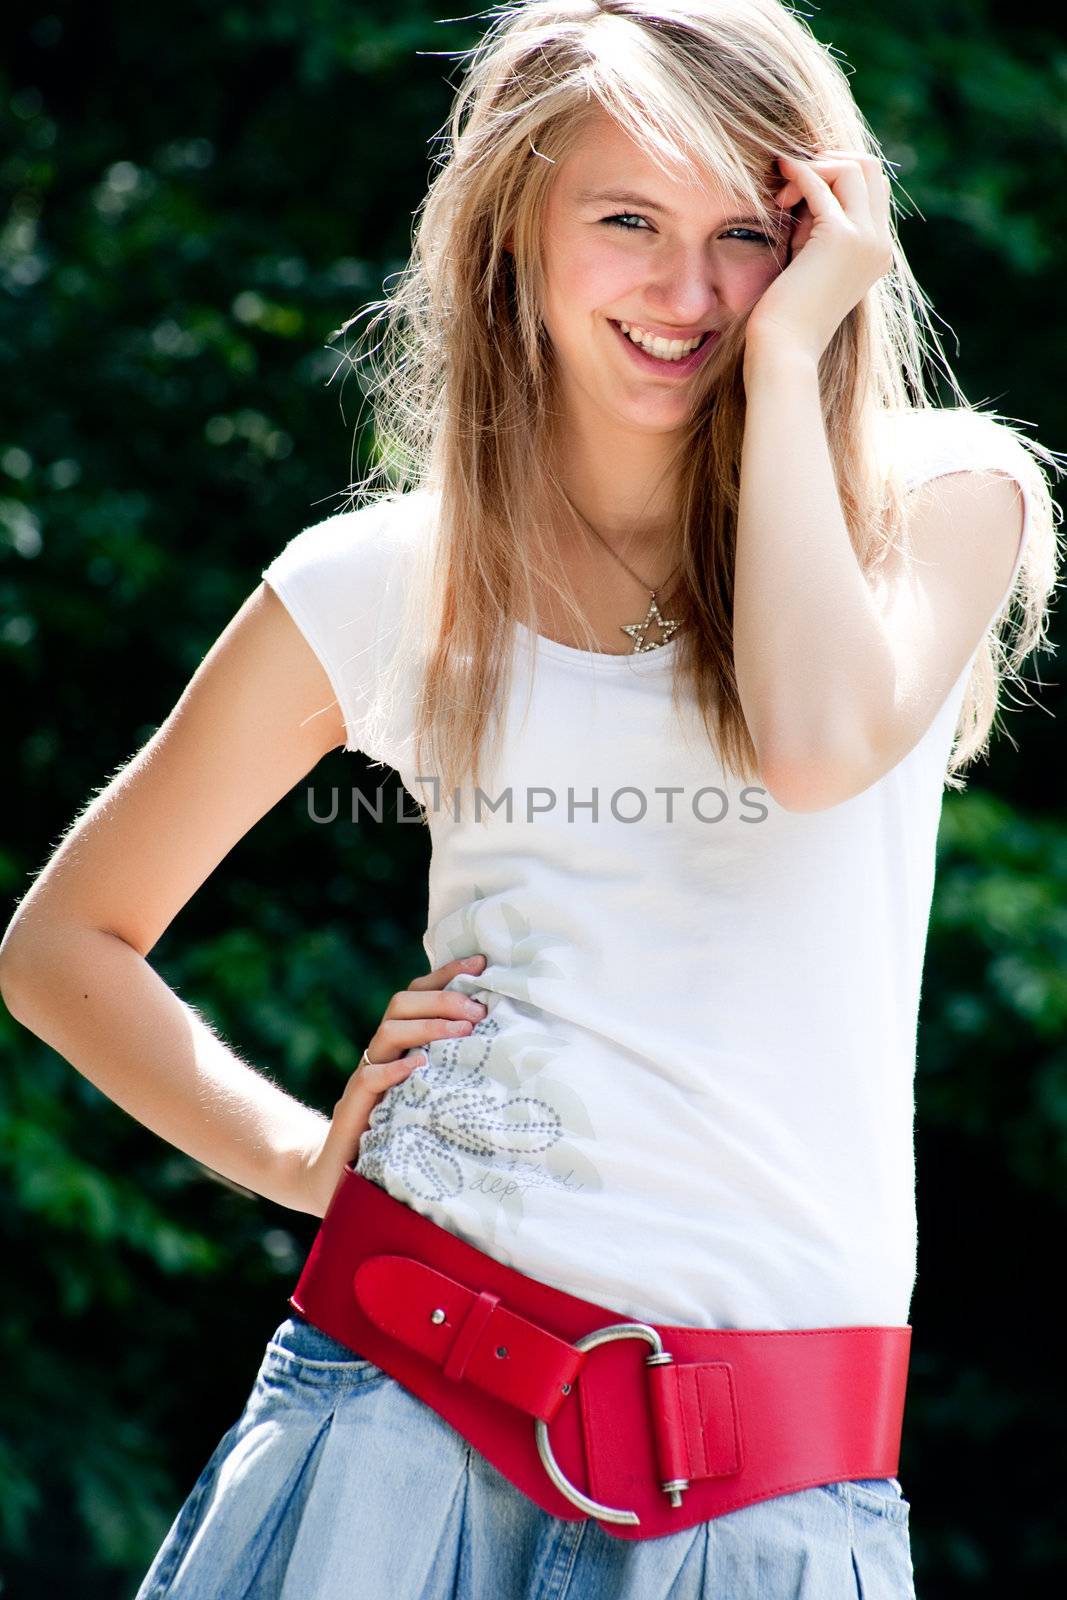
x=257 y=715
x=838 y=677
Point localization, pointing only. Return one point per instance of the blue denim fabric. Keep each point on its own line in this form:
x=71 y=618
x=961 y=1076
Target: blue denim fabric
x=337 y=1483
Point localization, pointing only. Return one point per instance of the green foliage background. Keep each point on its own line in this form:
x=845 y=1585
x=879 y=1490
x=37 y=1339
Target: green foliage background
x=194 y=199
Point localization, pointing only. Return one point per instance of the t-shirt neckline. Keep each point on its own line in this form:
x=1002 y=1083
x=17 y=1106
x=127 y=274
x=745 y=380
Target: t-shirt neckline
x=642 y=660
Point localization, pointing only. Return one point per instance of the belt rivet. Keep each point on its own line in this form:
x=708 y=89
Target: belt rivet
x=502 y=1351
x=437 y=1316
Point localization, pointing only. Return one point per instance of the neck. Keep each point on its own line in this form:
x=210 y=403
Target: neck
x=622 y=488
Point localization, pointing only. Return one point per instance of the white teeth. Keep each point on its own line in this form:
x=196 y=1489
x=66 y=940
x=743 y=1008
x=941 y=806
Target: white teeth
x=666 y=349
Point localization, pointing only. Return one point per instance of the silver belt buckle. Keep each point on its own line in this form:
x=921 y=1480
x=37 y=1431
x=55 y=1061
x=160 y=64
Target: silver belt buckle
x=658 y=1358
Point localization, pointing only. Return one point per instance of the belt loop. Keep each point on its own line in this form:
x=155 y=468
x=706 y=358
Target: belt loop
x=473 y=1324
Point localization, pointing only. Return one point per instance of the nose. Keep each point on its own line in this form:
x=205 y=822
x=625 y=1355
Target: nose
x=686 y=291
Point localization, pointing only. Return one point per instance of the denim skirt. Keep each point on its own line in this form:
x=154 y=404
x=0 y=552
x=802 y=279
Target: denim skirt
x=337 y=1483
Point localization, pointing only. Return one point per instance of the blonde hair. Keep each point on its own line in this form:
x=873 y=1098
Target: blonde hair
x=461 y=377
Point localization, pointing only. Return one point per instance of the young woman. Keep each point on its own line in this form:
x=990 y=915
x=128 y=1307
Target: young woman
x=652 y=401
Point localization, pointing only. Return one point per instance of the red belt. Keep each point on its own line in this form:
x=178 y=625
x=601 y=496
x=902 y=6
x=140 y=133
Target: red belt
x=664 y=1426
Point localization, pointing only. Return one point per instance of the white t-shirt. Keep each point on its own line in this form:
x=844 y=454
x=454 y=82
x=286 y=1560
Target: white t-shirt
x=691 y=1098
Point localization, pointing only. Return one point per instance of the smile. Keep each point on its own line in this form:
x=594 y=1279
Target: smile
x=679 y=357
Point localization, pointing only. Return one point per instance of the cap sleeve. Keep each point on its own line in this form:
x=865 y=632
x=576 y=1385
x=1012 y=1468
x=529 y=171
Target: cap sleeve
x=340 y=582
x=937 y=442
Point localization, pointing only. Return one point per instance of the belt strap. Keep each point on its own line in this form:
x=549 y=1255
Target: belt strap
x=477 y=1338
x=472 y=1336
x=696 y=1419
x=713 y=1418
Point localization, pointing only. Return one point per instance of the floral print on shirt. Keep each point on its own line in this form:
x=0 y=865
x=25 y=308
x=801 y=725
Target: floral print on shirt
x=485 y=1121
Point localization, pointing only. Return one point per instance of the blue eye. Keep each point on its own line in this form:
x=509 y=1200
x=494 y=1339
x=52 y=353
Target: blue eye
x=623 y=218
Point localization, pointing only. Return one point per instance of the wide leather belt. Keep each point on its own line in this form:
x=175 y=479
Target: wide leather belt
x=646 y=1427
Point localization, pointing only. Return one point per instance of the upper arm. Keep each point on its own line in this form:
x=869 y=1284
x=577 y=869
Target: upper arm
x=934 y=609
x=256 y=716
x=964 y=537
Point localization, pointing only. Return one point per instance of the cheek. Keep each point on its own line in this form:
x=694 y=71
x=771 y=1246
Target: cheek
x=584 y=273
x=744 y=283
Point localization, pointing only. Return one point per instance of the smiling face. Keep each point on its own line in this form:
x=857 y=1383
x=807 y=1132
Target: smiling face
x=623 y=244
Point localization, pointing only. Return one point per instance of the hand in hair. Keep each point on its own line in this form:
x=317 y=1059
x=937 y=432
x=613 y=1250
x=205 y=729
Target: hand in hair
x=842 y=244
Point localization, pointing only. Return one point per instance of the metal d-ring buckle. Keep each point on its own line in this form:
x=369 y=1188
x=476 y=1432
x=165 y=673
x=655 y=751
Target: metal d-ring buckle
x=658 y=1358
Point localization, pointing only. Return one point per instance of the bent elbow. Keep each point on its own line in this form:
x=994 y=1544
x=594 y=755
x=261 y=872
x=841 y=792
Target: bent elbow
x=813 y=784
x=12 y=972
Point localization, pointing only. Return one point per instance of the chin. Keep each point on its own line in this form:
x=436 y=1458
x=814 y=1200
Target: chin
x=664 y=418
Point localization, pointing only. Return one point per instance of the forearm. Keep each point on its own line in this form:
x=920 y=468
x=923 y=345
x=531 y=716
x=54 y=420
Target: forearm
x=809 y=648
x=96 y=1001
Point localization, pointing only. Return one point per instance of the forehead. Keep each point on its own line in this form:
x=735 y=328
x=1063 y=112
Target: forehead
x=605 y=160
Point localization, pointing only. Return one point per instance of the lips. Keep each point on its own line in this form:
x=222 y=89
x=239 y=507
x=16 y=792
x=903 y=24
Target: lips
x=654 y=331
x=668 y=369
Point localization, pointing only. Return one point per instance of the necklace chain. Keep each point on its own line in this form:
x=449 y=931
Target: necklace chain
x=637 y=630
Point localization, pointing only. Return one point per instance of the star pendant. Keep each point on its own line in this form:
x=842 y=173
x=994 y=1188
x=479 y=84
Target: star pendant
x=637 y=630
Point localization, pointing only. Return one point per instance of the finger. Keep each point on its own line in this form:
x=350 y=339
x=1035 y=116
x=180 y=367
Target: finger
x=451 y=969
x=881 y=185
x=374 y=1077
x=851 y=191
x=832 y=188
x=789 y=195
x=878 y=190
x=873 y=168
x=409 y=1003
x=396 y=1035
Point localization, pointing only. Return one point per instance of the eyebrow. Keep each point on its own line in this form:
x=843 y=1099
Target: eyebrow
x=624 y=197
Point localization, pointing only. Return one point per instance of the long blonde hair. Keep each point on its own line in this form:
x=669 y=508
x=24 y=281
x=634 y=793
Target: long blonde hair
x=460 y=371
